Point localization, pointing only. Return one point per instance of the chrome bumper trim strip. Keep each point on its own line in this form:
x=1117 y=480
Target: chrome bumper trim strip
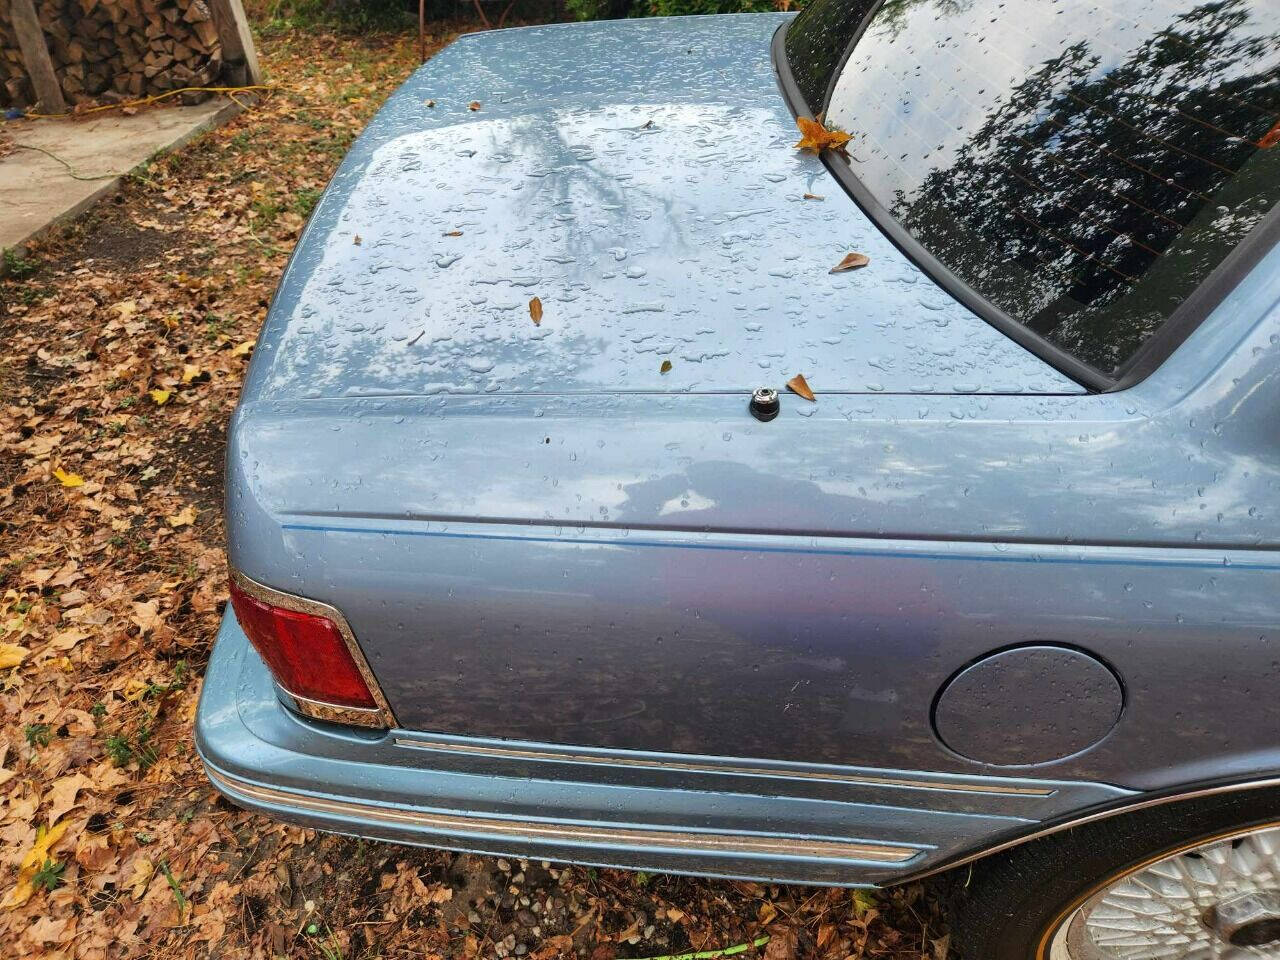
x=556 y=756
x=700 y=841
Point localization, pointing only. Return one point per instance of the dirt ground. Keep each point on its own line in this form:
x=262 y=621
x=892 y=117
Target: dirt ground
x=122 y=345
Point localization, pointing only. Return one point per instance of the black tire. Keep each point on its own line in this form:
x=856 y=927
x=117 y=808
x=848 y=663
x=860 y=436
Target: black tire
x=1008 y=906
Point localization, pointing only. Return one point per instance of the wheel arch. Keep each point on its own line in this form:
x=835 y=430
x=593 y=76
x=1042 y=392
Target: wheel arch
x=1105 y=811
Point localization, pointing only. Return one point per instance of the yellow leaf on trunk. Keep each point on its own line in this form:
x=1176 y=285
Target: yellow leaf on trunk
x=815 y=137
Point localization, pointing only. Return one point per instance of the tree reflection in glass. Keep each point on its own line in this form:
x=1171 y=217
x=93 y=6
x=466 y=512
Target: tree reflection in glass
x=1082 y=167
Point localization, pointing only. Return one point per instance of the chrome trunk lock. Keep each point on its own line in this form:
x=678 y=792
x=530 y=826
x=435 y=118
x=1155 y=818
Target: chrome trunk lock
x=764 y=404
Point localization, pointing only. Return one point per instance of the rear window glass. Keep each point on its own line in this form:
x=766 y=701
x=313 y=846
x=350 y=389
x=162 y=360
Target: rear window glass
x=1082 y=166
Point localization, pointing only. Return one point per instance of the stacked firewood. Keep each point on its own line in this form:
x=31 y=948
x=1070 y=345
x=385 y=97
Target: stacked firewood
x=112 y=50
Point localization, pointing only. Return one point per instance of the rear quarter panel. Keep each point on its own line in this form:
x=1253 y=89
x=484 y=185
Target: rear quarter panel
x=668 y=574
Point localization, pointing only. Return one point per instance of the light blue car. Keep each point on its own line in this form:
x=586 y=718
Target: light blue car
x=534 y=552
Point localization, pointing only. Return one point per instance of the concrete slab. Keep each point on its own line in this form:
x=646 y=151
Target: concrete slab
x=37 y=191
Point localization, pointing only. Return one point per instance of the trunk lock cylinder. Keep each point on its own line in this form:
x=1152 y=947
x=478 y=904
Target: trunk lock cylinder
x=764 y=404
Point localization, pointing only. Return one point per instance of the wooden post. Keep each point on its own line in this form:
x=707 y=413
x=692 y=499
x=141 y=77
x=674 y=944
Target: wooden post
x=35 y=56
x=237 y=42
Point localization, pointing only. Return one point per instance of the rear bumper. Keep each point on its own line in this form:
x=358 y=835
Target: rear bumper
x=672 y=813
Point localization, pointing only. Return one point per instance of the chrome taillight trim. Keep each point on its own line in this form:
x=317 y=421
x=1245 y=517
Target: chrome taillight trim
x=379 y=717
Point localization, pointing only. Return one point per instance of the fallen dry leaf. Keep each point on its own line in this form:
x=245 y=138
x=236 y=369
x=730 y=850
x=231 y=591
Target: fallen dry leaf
x=66 y=639
x=189 y=372
x=783 y=943
x=815 y=137
x=135 y=689
x=68 y=479
x=62 y=795
x=32 y=862
x=11 y=655
x=183 y=518
x=160 y=397
x=143 y=871
x=535 y=311
x=852 y=261
x=666 y=367
x=800 y=386
x=94 y=852
x=146 y=616
x=243 y=348
x=473 y=105
x=48 y=930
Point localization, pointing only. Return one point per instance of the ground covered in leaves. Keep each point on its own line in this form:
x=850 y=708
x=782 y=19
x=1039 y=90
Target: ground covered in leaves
x=122 y=346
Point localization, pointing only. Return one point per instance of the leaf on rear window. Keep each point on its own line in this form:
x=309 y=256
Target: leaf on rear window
x=800 y=386
x=814 y=196
x=666 y=367
x=815 y=137
x=852 y=261
x=473 y=105
x=535 y=311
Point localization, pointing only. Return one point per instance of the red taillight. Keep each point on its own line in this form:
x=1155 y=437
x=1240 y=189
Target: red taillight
x=306 y=653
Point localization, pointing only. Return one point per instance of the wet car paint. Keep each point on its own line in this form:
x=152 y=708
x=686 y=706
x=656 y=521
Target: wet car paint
x=641 y=182
x=656 y=570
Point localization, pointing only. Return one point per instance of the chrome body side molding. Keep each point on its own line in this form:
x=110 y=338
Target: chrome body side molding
x=701 y=765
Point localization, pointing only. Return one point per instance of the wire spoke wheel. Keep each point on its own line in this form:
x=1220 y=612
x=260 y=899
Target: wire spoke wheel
x=1216 y=901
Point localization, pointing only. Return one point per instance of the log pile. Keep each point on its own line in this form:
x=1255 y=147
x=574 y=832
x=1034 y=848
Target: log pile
x=106 y=51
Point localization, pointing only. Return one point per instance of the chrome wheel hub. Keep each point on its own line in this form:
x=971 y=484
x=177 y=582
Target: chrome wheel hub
x=1217 y=901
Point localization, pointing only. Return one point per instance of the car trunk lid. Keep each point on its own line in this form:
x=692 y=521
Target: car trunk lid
x=640 y=181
